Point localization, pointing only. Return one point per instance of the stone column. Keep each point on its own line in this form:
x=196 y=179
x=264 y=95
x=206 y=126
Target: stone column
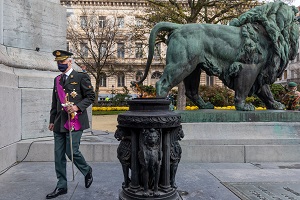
x=1 y=21
x=29 y=31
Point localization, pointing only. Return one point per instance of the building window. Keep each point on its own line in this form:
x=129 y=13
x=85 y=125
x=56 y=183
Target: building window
x=102 y=78
x=292 y=73
x=139 y=76
x=138 y=50
x=83 y=21
x=121 y=80
x=102 y=49
x=84 y=49
x=157 y=51
x=120 y=22
x=285 y=74
x=155 y=76
x=121 y=50
x=209 y=80
x=102 y=21
x=138 y=22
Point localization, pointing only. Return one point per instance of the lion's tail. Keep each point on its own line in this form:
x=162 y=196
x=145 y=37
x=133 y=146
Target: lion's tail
x=161 y=26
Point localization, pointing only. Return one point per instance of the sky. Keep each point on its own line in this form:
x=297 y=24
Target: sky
x=296 y=3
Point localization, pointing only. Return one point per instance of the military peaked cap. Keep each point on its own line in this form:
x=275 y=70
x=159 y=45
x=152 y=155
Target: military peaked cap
x=61 y=55
x=292 y=84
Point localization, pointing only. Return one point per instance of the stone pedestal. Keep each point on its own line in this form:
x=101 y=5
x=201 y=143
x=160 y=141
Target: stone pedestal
x=149 y=150
x=239 y=136
x=29 y=31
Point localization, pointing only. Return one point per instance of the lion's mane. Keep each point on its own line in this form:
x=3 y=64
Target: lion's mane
x=278 y=20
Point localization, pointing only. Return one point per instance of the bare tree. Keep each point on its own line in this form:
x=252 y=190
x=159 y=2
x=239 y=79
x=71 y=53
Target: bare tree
x=194 y=11
x=94 y=41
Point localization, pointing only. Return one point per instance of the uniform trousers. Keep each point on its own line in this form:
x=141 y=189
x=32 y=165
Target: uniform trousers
x=61 y=149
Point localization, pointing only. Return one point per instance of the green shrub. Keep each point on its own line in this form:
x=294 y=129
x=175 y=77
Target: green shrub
x=217 y=95
x=255 y=101
x=278 y=91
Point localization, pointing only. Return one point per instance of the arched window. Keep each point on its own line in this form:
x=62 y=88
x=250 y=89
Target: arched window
x=102 y=78
x=155 y=76
x=121 y=80
x=139 y=75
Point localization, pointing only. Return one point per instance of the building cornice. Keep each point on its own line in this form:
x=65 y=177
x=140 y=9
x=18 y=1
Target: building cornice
x=121 y=3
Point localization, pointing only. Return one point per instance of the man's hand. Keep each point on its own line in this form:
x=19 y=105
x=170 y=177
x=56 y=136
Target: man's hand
x=72 y=109
x=51 y=126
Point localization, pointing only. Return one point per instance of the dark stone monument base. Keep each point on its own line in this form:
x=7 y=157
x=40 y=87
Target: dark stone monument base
x=125 y=194
x=149 y=150
x=240 y=136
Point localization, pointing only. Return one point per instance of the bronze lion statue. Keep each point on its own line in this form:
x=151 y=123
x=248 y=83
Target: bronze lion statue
x=247 y=55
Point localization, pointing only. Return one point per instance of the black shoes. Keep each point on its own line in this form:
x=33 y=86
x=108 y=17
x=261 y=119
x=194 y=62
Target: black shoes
x=88 y=178
x=57 y=192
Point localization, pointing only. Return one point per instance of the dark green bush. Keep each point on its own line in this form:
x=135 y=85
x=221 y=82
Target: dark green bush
x=222 y=96
x=217 y=95
x=278 y=91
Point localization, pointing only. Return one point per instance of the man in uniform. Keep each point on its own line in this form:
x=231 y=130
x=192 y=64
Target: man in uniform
x=291 y=100
x=72 y=94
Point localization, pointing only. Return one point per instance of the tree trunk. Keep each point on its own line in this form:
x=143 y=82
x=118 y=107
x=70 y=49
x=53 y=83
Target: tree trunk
x=96 y=91
x=181 y=98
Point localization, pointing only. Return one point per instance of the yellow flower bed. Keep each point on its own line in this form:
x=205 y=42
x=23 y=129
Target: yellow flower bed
x=233 y=108
x=125 y=108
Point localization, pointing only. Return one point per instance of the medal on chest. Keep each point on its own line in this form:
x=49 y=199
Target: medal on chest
x=73 y=94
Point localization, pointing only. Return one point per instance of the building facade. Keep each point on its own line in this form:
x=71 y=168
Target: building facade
x=129 y=58
x=130 y=55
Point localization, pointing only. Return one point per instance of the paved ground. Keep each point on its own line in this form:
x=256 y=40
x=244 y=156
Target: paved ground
x=105 y=122
x=195 y=181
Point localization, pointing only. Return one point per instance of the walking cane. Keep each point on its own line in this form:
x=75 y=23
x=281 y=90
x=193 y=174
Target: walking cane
x=71 y=145
x=68 y=103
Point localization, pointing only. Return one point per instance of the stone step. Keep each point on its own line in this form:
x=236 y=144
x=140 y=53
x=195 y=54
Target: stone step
x=103 y=148
x=241 y=130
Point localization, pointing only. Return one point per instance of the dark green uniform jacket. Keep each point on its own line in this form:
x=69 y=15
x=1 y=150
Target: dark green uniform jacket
x=81 y=84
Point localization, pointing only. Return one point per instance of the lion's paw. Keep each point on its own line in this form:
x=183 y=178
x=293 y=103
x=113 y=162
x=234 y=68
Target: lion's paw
x=207 y=105
x=245 y=107
x=277 y=106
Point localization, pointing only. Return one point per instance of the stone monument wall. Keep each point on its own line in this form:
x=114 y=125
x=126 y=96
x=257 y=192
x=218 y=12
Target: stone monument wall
x=29 y=31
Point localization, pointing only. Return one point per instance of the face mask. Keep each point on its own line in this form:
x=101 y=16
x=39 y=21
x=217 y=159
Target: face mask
x=62 y=67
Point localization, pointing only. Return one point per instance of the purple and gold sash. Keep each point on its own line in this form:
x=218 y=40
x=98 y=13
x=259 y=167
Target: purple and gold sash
x=74 y=121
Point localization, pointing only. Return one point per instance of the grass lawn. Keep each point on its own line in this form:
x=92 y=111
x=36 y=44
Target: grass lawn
x=112 y=112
